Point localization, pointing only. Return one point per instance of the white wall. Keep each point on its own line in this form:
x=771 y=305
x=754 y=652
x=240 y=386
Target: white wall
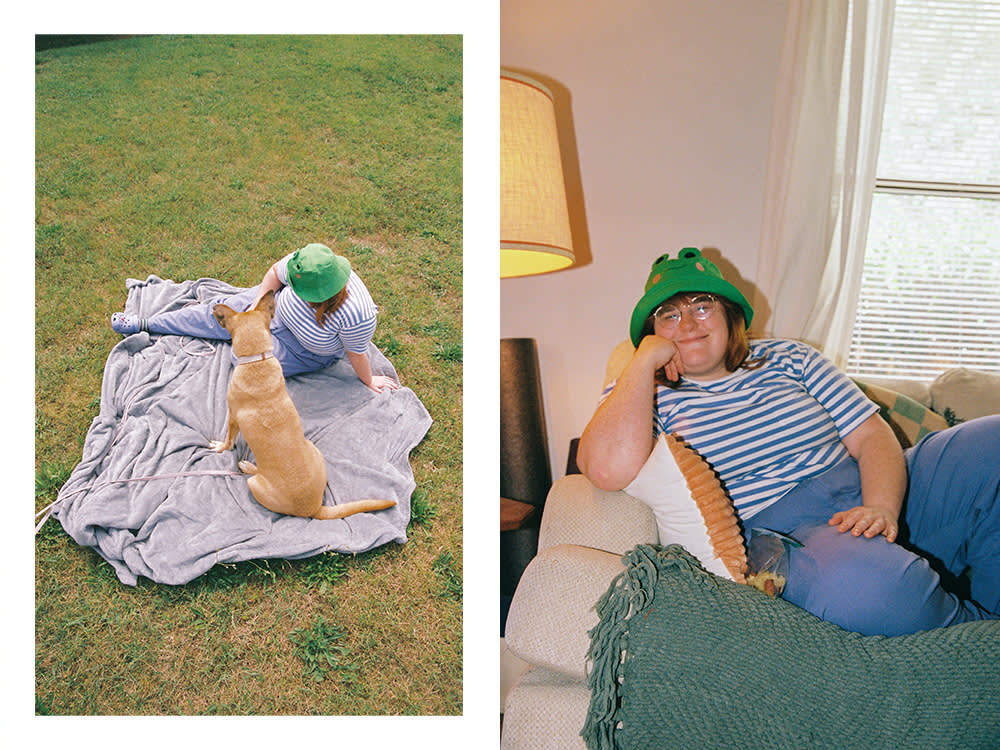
x=665 y=110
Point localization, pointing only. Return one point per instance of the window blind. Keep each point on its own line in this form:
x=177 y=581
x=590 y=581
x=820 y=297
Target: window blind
x=930 y=289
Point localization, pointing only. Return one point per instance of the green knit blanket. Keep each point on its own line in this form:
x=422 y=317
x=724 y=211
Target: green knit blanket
x=683 y=659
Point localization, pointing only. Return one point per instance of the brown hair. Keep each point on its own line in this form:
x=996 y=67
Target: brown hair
x=328 y=307
x=737 y=348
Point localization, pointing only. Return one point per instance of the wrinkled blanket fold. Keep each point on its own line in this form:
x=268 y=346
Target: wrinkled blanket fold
x=153 y=500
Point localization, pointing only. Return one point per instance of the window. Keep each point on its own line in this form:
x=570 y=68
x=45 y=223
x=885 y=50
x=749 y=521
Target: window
x=930 y=289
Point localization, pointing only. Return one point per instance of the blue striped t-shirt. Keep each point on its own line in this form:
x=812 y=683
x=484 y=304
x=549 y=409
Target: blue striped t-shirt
x=350 y=328
x=764 y=431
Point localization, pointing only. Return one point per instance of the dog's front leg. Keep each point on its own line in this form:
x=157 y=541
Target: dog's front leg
x=224 y=445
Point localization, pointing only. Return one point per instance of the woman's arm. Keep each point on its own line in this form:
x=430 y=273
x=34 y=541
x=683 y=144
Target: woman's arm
x=270 y=283
x=619 y=438
x=363 y=367
x=883 y=481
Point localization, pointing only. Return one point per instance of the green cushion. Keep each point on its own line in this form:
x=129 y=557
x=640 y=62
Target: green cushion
x=682 y=658
x=909 y=419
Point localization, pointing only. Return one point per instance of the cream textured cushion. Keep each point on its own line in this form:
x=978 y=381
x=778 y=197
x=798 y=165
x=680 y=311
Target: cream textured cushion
x=553 y=611
x=619 y=357
x=545 y=711
x=576 y=512
x=968 y=393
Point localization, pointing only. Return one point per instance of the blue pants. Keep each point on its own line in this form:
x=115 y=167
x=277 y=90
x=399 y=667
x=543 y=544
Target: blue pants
x=199 y=322
x=950 y=521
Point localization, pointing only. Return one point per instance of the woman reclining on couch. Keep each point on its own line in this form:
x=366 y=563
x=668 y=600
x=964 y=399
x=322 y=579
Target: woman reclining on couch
x=803 y=452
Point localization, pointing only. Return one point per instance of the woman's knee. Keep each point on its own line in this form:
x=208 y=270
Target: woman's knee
x=971 y=444
x=953 y=500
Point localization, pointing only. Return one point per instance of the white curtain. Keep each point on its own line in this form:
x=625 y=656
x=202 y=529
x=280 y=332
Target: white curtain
x=821 y=170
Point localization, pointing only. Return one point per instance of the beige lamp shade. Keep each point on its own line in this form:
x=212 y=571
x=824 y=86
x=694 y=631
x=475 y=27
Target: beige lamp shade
x=534 y=218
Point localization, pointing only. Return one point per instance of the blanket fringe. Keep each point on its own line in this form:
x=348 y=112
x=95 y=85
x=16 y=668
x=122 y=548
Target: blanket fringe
x=630 y=595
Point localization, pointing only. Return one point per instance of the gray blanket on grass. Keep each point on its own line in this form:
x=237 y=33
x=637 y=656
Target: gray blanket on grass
x=153 y=500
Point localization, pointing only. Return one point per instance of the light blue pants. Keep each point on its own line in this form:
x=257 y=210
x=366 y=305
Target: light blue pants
x=950 y=521
x=199 y=322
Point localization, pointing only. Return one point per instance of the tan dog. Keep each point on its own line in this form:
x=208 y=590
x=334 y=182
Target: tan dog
x=290 y=475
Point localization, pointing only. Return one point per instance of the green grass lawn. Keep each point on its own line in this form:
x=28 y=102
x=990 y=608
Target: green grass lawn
x=214 y=156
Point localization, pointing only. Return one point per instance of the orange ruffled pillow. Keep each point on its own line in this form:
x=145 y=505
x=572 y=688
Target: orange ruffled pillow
x=691 y=508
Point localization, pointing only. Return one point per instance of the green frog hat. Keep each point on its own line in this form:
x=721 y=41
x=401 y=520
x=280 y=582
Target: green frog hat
x=690 y=272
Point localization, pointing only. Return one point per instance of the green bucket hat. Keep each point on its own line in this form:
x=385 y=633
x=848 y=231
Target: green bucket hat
x=316 y=273
x=690 y=272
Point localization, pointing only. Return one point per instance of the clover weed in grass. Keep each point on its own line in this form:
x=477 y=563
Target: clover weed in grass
x=422 y=511
x=390 y=346
x=322 y=651
x=321 y=572
x=448 y=352
x=49 y=478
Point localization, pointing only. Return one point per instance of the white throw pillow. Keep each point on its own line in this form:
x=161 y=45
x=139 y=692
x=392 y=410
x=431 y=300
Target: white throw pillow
x=691 y=508
x=968 y=393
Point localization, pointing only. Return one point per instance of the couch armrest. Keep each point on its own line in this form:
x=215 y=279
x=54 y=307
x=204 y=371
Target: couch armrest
x=545 y=711
x=576 y=512
x=554 y=607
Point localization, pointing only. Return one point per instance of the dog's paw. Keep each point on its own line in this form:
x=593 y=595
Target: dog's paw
x=219 y=446
x=247 y=468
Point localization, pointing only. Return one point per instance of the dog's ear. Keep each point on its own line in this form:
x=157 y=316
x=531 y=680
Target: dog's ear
x=222 y=314
x=266 y=303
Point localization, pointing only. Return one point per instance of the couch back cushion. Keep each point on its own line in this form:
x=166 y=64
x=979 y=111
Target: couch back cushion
x=909 y=420
x=966 y=394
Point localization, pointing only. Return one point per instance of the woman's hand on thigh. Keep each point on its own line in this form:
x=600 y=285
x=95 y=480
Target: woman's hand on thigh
x=869 y=520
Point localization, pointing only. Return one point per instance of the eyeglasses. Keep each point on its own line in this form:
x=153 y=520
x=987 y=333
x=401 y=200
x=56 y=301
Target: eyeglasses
x=701 y=307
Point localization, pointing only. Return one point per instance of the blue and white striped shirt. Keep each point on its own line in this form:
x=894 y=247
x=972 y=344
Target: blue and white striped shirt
x=350 y=328
x=764 y=431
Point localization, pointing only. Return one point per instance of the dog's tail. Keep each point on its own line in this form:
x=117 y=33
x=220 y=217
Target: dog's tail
x=327 y=512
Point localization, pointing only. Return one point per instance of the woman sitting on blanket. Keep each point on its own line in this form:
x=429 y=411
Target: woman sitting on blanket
x=803 y=452
x=323 y=311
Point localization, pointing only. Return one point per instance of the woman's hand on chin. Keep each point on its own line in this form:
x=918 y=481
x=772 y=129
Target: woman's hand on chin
x=661 y=353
